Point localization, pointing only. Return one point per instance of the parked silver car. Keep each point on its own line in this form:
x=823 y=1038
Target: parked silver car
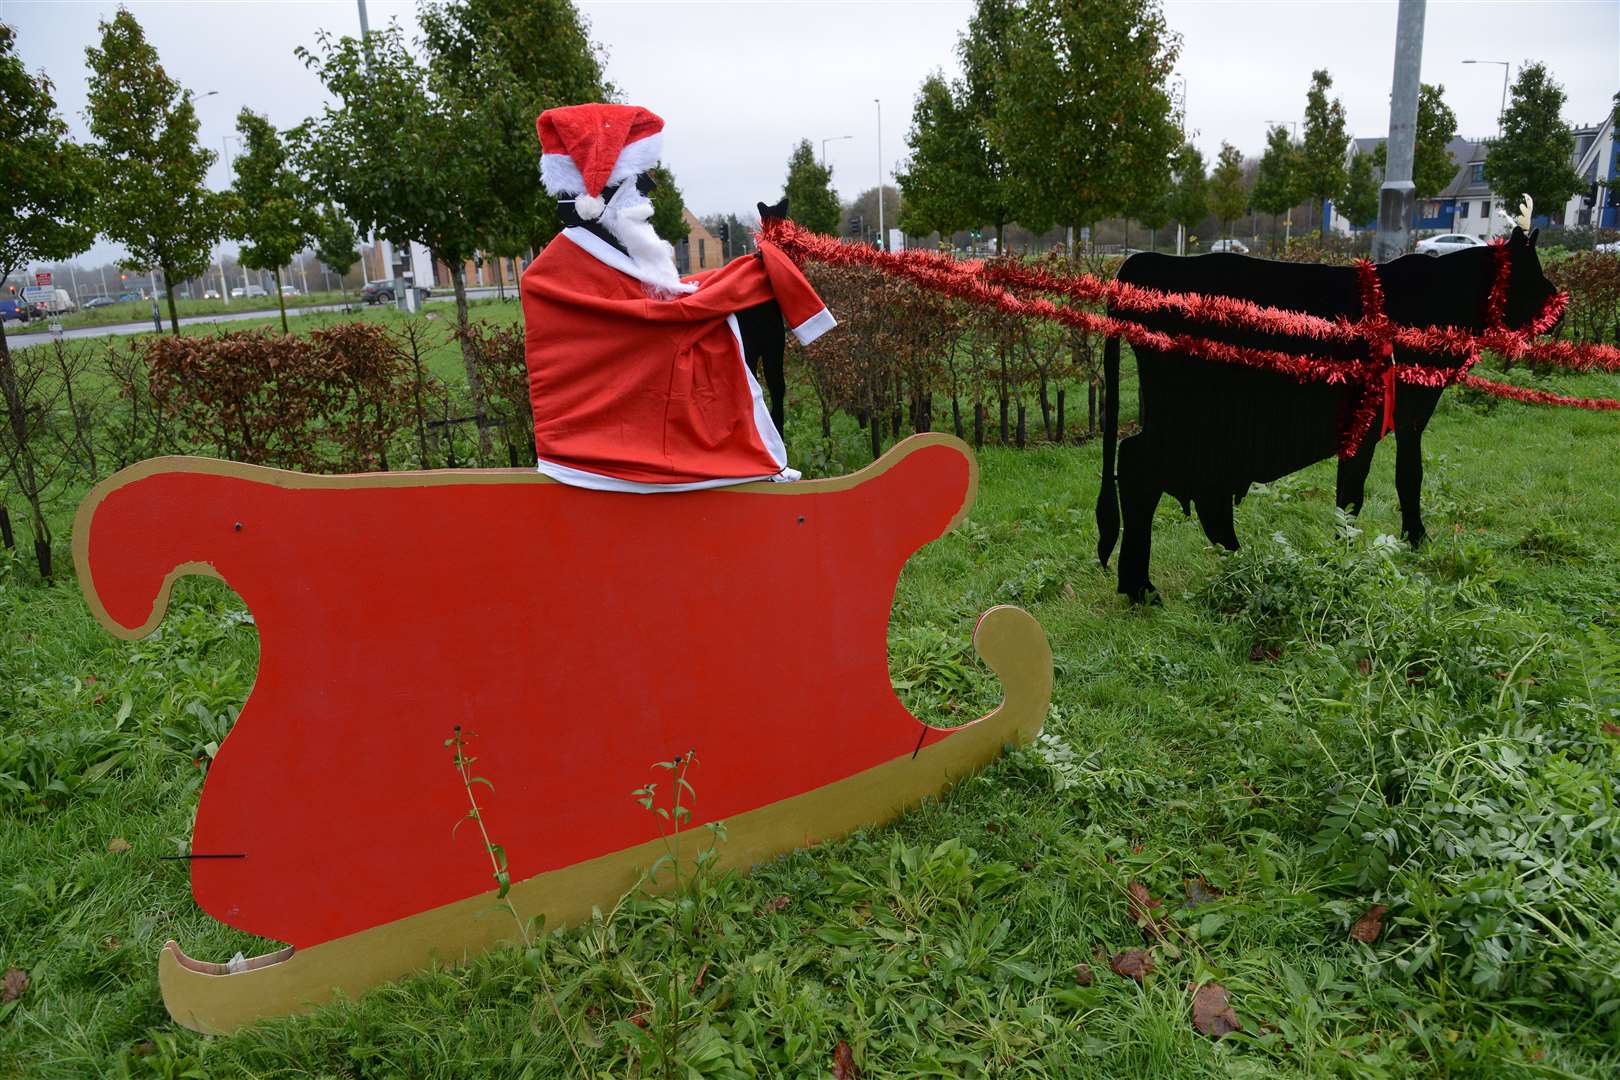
x=1440 y=245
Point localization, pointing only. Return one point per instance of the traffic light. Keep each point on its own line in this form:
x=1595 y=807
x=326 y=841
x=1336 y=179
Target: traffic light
x=857 y=226
x=725 y=232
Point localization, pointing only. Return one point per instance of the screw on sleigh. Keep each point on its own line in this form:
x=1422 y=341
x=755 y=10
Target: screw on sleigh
x=577 y=626
x=573 y=620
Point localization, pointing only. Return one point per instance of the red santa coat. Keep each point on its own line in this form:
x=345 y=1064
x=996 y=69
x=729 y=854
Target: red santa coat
x=632 y=393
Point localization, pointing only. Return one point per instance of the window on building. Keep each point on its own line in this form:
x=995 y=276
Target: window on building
x=703 y=259
x=1464 y=210
x=1477 y=175
x=1485 y=209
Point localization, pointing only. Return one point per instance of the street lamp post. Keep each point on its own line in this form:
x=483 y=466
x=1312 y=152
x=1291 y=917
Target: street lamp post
x=1181 y=230
x=883 y=236
x=1490 y=217
x=824 y=142
x=1396 y=195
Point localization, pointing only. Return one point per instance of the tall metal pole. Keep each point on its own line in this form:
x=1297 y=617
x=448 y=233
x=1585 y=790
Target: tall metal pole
x=400 y=300
x=1396 y=197
x=883 y=236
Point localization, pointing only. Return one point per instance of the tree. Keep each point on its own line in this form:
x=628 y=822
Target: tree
x=506 y=62
x=1228 y=194
x=1359 y=201
x=1277 y=185
x=983 y=50
x=271 y=212
x=1083 y=119
x=811 y=199
x=50 y=196
x=1322 y=166
x=1189 y=195
x=336 y=244
x=1432 y=165
x=152 y=196
x=668 y=218
x=865 y=207
x=940 y=178
x=403 y=160
x=1533 y=155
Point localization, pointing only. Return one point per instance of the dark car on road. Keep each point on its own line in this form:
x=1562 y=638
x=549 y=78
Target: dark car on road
x=99 y=301
x=15 y=309
x=382 y=292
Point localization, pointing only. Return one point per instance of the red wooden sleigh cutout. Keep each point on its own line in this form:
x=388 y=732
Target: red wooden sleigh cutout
x=581 y=635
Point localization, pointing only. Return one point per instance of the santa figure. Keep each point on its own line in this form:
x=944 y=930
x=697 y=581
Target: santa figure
x=637 y=377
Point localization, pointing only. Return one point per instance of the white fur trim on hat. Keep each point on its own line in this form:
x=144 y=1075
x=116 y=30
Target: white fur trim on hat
x=561 y=176
x=589 y=207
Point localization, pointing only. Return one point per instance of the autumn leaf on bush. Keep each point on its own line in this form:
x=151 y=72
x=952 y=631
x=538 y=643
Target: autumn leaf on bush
x=13 y=985
x=843 y=1063
x=1212 y=1013
x=1370 y=925
x=775 y=903
x=1132 y=963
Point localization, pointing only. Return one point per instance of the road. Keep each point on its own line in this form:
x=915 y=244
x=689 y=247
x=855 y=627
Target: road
x=23 y=341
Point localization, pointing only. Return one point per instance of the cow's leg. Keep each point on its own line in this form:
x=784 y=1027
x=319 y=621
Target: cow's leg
x=1353 y=470
x=1215 y=515
x=1413 y=407
x=1140 y=487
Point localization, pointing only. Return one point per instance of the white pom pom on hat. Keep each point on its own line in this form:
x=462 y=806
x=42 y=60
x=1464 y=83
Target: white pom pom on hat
x=589 y=207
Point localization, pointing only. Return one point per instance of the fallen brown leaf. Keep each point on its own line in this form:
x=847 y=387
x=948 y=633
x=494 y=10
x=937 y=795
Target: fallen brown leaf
x=1370 y=925
x=1212 y=1013
x=1611 y=729
x=697 y=984
x=1200 y=891
x=1068 y=591
x=12 y=985
x=1132 y=963
x=1263 y=652
x=1142 y=905
x=1083 y=975
x=775 y=903
x=118 y=845
x=843 y=1063
x=640 y=1019
x=143 y=1048
x=1364 y=666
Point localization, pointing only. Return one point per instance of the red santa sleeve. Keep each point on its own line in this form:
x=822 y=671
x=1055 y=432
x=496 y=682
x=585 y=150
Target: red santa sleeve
x=802 y=309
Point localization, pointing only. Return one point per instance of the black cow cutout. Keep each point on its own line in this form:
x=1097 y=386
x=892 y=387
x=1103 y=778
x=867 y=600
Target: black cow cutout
x=1210 y=430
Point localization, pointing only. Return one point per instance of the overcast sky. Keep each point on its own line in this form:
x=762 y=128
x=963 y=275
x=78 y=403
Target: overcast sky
x=738 y=84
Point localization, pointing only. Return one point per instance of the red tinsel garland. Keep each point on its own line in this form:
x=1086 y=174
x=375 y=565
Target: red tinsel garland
x=984 y=283
x=1537 y=397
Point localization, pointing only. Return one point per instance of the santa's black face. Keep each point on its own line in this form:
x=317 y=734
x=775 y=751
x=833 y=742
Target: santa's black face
x=646 y=184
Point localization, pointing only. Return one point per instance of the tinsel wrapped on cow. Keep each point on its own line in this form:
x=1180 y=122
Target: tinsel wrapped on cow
x=609 y=600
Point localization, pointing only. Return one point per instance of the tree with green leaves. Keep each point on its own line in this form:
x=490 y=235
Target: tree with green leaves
x=152 y=170
x=668 y=217
x=983 y=50
x=1189 y=191
x=1083 y=116
x=1228 y=194
x=505 y=62
x=1359 y=200
x=270 y=211
x=1322 y=168
x=812 y=202
x=1533 y=156
x=939 y=179
x=403 y=160
x=1432 y=165
x=336 y=244
x=50 y=195
x=1277 y=185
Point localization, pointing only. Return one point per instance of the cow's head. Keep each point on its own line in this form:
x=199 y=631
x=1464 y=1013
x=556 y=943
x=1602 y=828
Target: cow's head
x=1528 y=288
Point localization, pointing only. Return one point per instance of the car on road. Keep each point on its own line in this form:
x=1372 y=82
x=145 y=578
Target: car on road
x=250 y=291
x=128 y=297
x=382 y=292
x=210 y=294
x=1236 y=247
x=49 y=301
x=99 y=301
x=1448 y=242
x=19 y=310
x=289 y=290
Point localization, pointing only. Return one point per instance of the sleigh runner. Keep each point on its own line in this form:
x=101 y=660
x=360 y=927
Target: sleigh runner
x=579 y=635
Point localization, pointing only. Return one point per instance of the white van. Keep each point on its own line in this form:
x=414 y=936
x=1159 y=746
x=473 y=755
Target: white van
x=49 y=301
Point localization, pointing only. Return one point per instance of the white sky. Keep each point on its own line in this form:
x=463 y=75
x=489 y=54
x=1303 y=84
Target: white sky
x=738 y=84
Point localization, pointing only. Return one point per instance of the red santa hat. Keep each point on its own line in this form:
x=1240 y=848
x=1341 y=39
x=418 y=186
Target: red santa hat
x=586 y=148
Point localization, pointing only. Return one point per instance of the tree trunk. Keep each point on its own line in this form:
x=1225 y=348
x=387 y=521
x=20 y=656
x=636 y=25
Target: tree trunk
x=1091 y=405
x=1046 y=409
x=6 y=536
x=281 y=301
x=23 y=466
x=956 y=416
x=1021 y=428
x=1062 y=432
x=876 y=431
x=174 y=312
x=1004 y=431
x=978 y=425
x=826 y=423
x=1001 y=234
x=469 y=358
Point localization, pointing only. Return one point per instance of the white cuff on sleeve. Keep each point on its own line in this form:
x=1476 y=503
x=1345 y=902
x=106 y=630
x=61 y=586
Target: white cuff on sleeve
x=813 y=327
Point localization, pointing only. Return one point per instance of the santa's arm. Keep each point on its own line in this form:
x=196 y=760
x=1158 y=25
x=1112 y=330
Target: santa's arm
x=804 y=312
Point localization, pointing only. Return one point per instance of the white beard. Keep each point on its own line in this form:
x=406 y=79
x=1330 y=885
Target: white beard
x=629 y=218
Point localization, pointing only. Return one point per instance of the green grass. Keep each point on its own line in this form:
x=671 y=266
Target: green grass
x=1315 y=724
